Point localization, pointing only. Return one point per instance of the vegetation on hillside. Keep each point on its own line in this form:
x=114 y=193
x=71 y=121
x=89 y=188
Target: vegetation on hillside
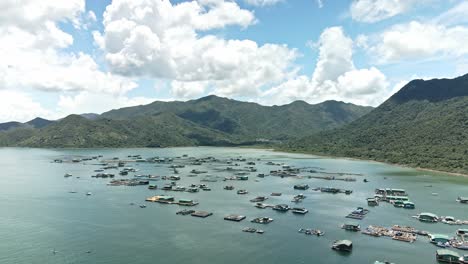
x=424 y=125
x=210 y=121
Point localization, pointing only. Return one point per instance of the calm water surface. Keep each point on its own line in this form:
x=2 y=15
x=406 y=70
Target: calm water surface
x=38 y=214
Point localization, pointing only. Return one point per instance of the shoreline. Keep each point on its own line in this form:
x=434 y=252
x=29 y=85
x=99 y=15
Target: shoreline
x=376 y=161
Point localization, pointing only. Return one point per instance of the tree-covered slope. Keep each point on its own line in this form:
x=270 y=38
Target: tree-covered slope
x=207 y=121
x=154 y=131
x=250 y=120
x=424 y=125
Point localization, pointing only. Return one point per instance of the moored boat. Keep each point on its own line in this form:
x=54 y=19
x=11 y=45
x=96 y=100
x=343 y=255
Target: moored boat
x=351 y=227
x=427 y=217
x=262 y=220
x=343 y=245
x=297 y=210
x=463 y=259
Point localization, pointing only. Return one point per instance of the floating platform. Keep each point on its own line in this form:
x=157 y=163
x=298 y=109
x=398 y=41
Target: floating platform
x=202 y=214
x=235 y=218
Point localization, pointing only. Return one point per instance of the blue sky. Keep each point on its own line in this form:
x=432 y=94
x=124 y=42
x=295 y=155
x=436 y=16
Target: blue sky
x=93 y=56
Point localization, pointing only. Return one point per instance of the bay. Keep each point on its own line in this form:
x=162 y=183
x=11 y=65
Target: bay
x=39 y=214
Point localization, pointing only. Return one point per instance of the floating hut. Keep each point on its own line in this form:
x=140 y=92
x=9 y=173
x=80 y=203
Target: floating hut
x=447 y=256
x=428 y=217
x=233 y=217
x=202 y=214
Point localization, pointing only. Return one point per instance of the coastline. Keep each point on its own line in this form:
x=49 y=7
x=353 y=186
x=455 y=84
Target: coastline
x=376 y=161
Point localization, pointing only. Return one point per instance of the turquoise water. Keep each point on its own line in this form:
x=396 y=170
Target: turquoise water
x=38 y=214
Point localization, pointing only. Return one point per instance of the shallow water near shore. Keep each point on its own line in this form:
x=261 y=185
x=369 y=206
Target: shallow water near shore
x=38 y=214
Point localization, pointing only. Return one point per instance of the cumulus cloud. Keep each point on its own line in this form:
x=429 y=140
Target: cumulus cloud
x=91 y=102
x=370 y=11
x=416 y=40
x=335 y=77
x=159 y=39
x=35 y=56
x=32 y=50
x=20 y=106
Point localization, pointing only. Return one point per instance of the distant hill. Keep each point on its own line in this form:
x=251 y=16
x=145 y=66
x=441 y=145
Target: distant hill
x=424 y=125
x=35 y=123
x=251 y=120
x=10 y=125
x=154 y=131
x=210 y=120
x=39 y=122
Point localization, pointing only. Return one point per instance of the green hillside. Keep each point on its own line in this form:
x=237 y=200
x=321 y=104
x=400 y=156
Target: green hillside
x=250 y=120
x=210 y=120
x=424 y=125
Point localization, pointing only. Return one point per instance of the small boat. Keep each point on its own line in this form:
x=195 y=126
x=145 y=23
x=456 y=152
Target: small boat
x=463 y=200
x=281 y=207
x=67 y=175
x=315 y=232
x=463 y=259
x=461 y=245
x=462 y=232
x=249 y=230
x=142 y=206
x=343 y=245
x=242 y=192
x=297 y=210
x=259 y=231
x=443 y=245
x=262 y=220
x=351 y=227
x=88 y=193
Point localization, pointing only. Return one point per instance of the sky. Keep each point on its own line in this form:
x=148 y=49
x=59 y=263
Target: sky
x=90 y=56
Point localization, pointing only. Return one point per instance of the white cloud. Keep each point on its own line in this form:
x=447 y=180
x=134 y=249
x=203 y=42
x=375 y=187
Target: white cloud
x=335 y=77
x=160 y=40
x=188 y=90
x=32 y=50
x=91 y=16
x=33 y=15
x=19 y=106
x=453 y=16
x=263 y=2
x=88 y=102
x=416 y=40
x=370 y=11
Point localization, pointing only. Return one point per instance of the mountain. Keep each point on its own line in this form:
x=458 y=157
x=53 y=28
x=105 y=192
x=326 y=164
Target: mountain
x=154 y=131
x=251 y=120
x=90 y=116
x=39 y=122
x=10 y=125
x=425 y=125
x=209 y=120
x=35 y=123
